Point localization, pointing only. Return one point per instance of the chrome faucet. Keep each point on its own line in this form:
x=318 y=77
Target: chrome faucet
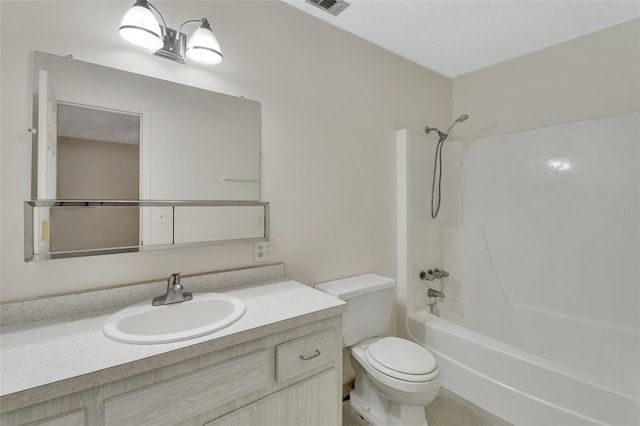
x=174 y=292
x=437 y=295
x=433 y=306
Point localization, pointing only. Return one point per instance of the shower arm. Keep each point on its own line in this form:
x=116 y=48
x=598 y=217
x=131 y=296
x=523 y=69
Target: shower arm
x=442 y=136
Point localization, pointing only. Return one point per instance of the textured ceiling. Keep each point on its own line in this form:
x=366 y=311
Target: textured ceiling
x=99 y=125
x=457 y=37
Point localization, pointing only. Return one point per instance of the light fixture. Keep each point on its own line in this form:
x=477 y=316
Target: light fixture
x=141 y=27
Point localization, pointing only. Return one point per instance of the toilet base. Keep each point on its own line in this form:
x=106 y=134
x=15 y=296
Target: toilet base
x=365 y=410
x=380 y=411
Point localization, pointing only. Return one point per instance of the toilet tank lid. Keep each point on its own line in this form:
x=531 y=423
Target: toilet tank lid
x=347 y=288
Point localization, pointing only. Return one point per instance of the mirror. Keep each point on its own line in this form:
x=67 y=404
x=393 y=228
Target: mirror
x=105 y=134
x=194 y=144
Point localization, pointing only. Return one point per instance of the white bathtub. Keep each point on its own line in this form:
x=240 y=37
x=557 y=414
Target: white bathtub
x=522 y=388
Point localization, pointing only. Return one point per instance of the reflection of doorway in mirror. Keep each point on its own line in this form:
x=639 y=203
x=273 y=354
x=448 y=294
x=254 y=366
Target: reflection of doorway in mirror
x=98 y=153
x=46 y=151
x=98 y=158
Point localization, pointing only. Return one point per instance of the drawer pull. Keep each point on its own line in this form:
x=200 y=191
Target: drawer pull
x=312 y=356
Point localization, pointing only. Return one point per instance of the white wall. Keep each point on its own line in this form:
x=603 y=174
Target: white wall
x=330 y=106
x=588 y=77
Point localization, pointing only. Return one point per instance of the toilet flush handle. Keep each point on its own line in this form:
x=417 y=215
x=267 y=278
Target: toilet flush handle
x=312 y=356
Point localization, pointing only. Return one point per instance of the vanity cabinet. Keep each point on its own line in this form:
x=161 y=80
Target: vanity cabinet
x=291 y=377
x=309 y=403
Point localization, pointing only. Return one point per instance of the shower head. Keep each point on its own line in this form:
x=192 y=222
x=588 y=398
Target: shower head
x=460 y=119
x=437 y=171
x=442 y=135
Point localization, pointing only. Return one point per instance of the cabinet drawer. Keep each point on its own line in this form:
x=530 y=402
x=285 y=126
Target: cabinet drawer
x=75 y=418
x=301 y=355
x=186 y=396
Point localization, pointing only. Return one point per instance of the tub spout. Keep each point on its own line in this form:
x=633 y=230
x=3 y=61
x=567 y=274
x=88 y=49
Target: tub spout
x=435 y=293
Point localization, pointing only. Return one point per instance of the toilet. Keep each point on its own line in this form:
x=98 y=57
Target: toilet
x=395 y=378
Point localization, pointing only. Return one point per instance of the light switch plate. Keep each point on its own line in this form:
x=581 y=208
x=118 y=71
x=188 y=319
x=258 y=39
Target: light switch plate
x=262 y=251
x=160 y=216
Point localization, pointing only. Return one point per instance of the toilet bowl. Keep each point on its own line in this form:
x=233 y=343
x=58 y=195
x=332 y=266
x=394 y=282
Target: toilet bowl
x=395 y=378
x=396 y=390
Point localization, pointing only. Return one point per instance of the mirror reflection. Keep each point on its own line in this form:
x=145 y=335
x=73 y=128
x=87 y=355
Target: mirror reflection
x=98 y=154
x=106 y=134
x=98 y=157
x=194 y=144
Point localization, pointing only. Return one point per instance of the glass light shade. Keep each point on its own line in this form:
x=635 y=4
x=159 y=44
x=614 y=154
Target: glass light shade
x=140 y=27
x=204 y=47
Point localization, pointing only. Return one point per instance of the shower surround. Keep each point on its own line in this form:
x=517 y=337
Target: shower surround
x=540 y=230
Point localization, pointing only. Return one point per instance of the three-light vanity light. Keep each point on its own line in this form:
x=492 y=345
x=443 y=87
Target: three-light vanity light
x=141 y=27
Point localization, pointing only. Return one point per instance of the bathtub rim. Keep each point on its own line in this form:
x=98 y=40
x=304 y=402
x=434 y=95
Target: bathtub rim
x=426 y=319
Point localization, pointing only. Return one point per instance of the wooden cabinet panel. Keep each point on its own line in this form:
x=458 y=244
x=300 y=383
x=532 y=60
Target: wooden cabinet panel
x=309 y=403
x=187 y=396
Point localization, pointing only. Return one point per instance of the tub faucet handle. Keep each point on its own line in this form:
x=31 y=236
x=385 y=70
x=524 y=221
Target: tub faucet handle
x=174 y=279
x=428 y=276
x=440 y=273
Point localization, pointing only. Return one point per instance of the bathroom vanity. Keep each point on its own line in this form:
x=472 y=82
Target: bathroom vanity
x=280 y=364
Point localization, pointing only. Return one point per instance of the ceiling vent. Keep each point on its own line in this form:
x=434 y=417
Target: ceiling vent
x=334 y=7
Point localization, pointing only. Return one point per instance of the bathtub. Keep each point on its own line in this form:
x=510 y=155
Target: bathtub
x=520 y=387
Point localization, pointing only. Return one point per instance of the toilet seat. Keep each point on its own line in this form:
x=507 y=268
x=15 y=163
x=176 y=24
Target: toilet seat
x=358 y=352
x=401 y=359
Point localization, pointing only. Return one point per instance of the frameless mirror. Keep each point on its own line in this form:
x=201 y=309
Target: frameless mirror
x=193 y=144
x=107 y=134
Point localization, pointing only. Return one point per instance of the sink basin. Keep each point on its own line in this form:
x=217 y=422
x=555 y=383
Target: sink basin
x=145 y=324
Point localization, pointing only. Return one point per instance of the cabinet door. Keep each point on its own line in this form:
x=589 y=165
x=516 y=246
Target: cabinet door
x=313 y=402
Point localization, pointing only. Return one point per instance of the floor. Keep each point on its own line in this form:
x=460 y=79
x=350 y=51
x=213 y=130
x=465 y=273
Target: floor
x=448 y=409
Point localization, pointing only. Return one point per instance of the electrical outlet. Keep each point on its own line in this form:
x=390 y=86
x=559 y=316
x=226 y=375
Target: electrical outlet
x=262 y=251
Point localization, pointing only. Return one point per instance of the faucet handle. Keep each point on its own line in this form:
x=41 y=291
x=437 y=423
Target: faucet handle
x=440 y=273
x=428 y=276
x=173 y=279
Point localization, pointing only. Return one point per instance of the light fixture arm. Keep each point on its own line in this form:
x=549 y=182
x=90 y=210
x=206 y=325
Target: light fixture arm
x=163 y=27
x=188 y=22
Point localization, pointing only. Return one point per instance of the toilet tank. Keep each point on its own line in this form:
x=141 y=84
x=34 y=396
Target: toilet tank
x=369 y=300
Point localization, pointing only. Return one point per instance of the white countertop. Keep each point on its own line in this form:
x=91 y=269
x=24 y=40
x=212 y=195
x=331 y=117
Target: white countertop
x=39 y=357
